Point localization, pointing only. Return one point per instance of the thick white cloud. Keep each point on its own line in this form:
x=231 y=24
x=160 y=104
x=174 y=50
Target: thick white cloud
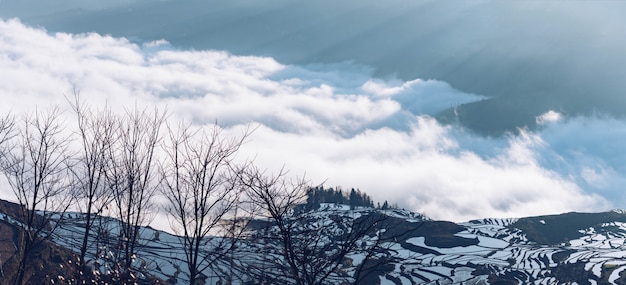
x=426 y=170
x=333 y=122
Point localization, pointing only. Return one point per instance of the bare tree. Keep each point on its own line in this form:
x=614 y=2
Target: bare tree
x=132 y=179
x=36 y=168
x=274 y=198
x=96 y=134
x=7 y=128
x=202 y=192
x=7 y=124
x=308 y=247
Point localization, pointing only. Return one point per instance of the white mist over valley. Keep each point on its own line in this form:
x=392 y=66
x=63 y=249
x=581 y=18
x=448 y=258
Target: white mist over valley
x=350 y=110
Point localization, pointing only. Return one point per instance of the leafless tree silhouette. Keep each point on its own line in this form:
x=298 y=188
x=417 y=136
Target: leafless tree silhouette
x=132 y=177
x=202 y=193
x=96 y=135
x=36 y=167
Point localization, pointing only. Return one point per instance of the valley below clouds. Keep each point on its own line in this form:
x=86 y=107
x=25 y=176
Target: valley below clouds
x=338 y=124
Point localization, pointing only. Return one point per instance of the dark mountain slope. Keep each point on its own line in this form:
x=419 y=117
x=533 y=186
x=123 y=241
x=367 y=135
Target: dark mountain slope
x=560 y=229
x=47 y=260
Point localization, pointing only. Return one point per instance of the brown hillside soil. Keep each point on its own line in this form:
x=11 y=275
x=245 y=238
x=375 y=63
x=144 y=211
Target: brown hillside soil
x=47 y=261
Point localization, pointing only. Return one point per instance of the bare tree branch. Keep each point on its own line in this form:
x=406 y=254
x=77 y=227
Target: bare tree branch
x=96 y=136
x=36 y=168
x=308 y=247
x=7 y=132
x=202 y=192
x=132 y=179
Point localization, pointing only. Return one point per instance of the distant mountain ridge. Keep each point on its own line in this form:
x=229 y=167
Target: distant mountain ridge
x=570 y=248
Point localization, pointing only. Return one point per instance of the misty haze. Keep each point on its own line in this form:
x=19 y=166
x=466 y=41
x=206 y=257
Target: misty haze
x=453 y=110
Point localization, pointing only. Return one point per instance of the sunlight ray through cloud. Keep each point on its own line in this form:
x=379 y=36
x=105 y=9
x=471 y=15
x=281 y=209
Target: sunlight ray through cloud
x=337 y=124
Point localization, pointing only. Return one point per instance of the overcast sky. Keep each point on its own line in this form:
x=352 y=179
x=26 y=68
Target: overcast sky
x=350 y=93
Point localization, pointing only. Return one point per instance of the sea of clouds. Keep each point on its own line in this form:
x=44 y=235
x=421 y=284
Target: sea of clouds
x=336 y=124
